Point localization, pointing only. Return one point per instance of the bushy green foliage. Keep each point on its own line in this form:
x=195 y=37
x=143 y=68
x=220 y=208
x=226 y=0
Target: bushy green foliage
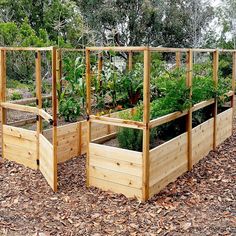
x=11 y=83
x=132 y=138
x=16 y=96
x=173 y=95
x=203 y=89
x=69 y=108
x=132 y=84
x=72 y=97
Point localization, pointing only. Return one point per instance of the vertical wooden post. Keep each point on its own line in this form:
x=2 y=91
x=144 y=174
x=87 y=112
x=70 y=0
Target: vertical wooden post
x=178 y=59
x=79 y=137
x=59 y=71
x=146 y=119
x=54 y=114
x=88 y=110
x=2 y=92
x=215 y=78
x=189 y=116
x=59 y=68
x=233 y=78
x=233 y=84
x=100 y=69
x=130 y=61
x=38 y=96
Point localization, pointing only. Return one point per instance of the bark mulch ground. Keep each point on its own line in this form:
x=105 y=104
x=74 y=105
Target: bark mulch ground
x=201 y=202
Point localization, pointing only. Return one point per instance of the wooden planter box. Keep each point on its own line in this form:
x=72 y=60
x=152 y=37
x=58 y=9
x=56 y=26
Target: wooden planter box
x=135 y=174
x=122 y=171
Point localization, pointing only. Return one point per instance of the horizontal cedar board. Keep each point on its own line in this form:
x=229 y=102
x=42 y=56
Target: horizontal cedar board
x=26 y=153
x=115 y=165
x=46 y=160
x=24 y=143
x=164 y=181
x=114 y=187
x=69 y=139
x=20 y=159
x=20 y=132
x=66 y=129
x=115 y=153
x=224 y=125
x=165 y=158
x=115 y=177
x=19 y=145
x=115 y=169
x=202 y=140
x=65 y=156
x=161 y=152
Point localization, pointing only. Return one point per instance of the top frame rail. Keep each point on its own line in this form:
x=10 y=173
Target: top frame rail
x=26 y=48
x=119 y=49
x=124 y=49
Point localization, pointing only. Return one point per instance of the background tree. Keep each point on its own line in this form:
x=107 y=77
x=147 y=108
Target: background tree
x=60 y=19
x=148 y=22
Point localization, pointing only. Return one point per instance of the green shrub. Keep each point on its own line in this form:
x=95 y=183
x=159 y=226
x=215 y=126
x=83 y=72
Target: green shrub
x=69 y=108
x=203 y=89
x=11 y=83
x=132 y=139
x=132 y=84
x=16 y=96
x=173 y=95
x=72 y=97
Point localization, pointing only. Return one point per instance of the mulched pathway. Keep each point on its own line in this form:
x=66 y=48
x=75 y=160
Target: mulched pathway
x=201 y=202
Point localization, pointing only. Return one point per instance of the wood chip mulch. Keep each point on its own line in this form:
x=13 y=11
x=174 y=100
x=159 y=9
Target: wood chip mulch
x=201 y=202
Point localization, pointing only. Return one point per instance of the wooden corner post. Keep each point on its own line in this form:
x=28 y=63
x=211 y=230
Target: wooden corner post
x=59 y=68
x=190 y=115
x=54 y=114
x=215 y=78
x=233 y=78
x=38 y=96
x=146 y=119
x=88 y=110
x=2 y=91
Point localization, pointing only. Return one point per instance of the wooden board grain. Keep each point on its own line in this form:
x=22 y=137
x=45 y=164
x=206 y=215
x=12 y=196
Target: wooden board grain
x=71 y=138
x=46 y=161
x=115 y=169
x=167 y=162
x=116 y=188
x=20 y=145
x=224 y=125
x=202 y=140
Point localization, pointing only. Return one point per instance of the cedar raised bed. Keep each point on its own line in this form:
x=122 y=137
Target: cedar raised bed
x=132 y=173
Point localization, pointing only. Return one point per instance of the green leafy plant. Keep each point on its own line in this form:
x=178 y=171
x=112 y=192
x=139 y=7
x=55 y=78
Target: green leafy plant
x=132 y=84
x=69 y=108
x=72 y=97
x=11 y=83
x=172 y=95
x=16 y=96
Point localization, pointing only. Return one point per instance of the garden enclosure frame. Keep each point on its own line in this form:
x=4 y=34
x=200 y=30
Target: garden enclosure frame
x=43 y=149
x=143 y=174
x=139 y=174
x=27 y=147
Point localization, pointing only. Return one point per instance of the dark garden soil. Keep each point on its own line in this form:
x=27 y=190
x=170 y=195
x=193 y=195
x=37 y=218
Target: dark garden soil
x=201 y=202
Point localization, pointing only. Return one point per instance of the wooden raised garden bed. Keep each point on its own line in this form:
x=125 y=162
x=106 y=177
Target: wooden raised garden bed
x=143 y=174
x=139 y=174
